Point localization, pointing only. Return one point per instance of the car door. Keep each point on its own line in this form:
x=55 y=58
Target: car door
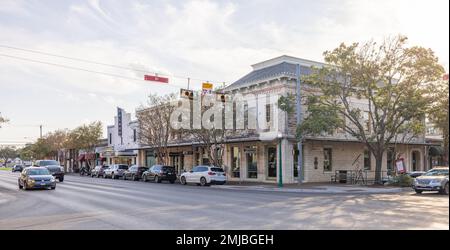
x=191 y=174
x=155 y=171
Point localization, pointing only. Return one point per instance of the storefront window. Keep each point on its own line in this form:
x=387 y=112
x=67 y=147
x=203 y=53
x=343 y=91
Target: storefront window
x=327 y=159
x=367 y=160
x=272 y=162
x=150 y=159
x=252 y=166
x=235 y=162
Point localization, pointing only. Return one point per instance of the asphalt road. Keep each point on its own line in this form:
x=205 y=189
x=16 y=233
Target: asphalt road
x=91 y=203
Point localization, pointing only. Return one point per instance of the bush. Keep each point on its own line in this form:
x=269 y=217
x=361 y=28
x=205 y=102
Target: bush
x=402 y=180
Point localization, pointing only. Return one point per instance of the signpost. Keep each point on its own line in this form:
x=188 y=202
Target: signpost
x=156 y=78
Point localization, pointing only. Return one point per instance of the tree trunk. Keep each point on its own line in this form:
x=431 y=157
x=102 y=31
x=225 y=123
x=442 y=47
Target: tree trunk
x=378 y=165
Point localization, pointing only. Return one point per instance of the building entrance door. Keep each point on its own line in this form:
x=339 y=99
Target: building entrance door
x=272 y=162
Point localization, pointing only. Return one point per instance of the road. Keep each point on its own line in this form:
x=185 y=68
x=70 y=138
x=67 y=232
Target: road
x=91 y=203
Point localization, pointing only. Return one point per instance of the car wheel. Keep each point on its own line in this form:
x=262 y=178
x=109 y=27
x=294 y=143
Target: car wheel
x=61 y=179
x=92 y=175
x=418 y=191
x=113 y=176
x=445 y=189
x=25 y=186
x=203 y=182
x=144 y=178
x=20 y=186
x=183 y=180
x=157 y=179
x=53 y=188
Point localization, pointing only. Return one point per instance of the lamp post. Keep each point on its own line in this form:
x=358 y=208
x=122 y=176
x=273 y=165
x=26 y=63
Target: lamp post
x=280 y=168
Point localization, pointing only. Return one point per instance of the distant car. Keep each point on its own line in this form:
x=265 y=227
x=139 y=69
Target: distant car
x=98 y=171
x=36 y=177
x=159 y=173
x=53 y=166
x=17 y=168
x=204 y=176
x=134 y=173
x=115 y=171
x=416 y=174
x=435 y=179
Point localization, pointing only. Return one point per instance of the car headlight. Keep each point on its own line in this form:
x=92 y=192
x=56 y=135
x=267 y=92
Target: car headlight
x=52 y=179
x=62 y=169
x=436 y=181
x=31 y=180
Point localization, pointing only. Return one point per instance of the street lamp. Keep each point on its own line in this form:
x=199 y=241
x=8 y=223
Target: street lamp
x=280 y=168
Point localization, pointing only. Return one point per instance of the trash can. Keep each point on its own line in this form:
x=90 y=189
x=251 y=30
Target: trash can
x=342 y=176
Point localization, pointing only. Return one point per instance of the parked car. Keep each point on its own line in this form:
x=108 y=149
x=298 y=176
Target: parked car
x=204 y=176
x=36 y=177
x=159 y=173
x=98 y=171
x=134 y=173
x=416 y=174
x=435 y=179
x=115 y=171
x=17 y=168
x=53 y=166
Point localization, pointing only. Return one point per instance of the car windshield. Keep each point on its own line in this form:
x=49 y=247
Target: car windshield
x=123 y=167
x=38 y=172
x=216 y=169
x=167 y=168
x=437 y=172
x=47 y=163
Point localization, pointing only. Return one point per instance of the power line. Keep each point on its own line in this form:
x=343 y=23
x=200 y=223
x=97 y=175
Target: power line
x=105 y=64
x=82 y=69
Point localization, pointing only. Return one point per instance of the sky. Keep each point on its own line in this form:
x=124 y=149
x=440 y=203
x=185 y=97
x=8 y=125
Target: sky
x=214 y=41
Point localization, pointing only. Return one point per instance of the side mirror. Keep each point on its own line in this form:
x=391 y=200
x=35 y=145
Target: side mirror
x=191 y=171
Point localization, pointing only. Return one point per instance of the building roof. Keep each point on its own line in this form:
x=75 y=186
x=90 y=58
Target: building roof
x=276 y=67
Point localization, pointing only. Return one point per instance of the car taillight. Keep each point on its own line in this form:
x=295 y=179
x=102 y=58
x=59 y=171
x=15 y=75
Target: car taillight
x=211 y=173
x=224 y=174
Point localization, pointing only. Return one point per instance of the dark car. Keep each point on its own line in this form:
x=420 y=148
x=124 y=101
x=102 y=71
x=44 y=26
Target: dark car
x=159 y=173
x=98 y=171
x=134 y=173
x=53 y=166
x=17 y=168
x=36 y=177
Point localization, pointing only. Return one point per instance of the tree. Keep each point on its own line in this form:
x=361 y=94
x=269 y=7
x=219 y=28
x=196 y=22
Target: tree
x=211 y=133
x=8 y=152
x=438 y=112
x=84 y=137
x=3 y=120
x=154 y=124
x=388 y=77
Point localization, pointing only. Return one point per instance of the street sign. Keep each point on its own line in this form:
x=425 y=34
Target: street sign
x=207 y=88
x=185 y=93
x=156 y=79
x=119 y=121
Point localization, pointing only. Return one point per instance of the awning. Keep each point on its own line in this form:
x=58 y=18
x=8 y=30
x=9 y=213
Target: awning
x=436 y=151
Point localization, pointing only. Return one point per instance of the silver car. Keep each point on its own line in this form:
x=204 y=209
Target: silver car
x=435 y=179
x=115 y=171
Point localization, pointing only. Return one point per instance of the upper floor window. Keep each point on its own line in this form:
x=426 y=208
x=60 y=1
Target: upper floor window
x=110 y=138
x=134 y=135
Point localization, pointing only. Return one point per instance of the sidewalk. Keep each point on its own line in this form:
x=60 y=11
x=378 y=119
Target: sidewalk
x=319 y=188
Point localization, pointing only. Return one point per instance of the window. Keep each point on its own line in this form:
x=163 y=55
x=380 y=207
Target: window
x=367 y=122
x=327 y=159
x=390 y=159
x=235 y=162
x=367 y=160
x=268 y=112
x=134 y=135
x=252 y=165
x=110 y=138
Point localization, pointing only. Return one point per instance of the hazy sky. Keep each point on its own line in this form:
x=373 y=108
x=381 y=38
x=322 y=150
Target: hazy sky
x=207 y=40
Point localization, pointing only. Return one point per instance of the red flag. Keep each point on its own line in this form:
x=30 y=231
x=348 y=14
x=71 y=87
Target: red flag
x=156 y=79
x=445 y=77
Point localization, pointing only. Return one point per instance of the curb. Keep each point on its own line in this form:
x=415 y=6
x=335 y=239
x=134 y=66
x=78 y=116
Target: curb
x=317 y=191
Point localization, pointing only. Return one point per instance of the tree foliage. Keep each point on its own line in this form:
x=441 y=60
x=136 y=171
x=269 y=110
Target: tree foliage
x=154 y=124
x=3 y=120
x=439 y=113
x=374 y=92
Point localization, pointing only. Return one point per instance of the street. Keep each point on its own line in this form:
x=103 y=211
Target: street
x=91 y=203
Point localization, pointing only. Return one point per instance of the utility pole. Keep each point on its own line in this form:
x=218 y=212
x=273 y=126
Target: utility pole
x=299 y=121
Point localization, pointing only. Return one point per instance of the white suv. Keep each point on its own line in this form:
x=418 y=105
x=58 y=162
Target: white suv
x=204 y=176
